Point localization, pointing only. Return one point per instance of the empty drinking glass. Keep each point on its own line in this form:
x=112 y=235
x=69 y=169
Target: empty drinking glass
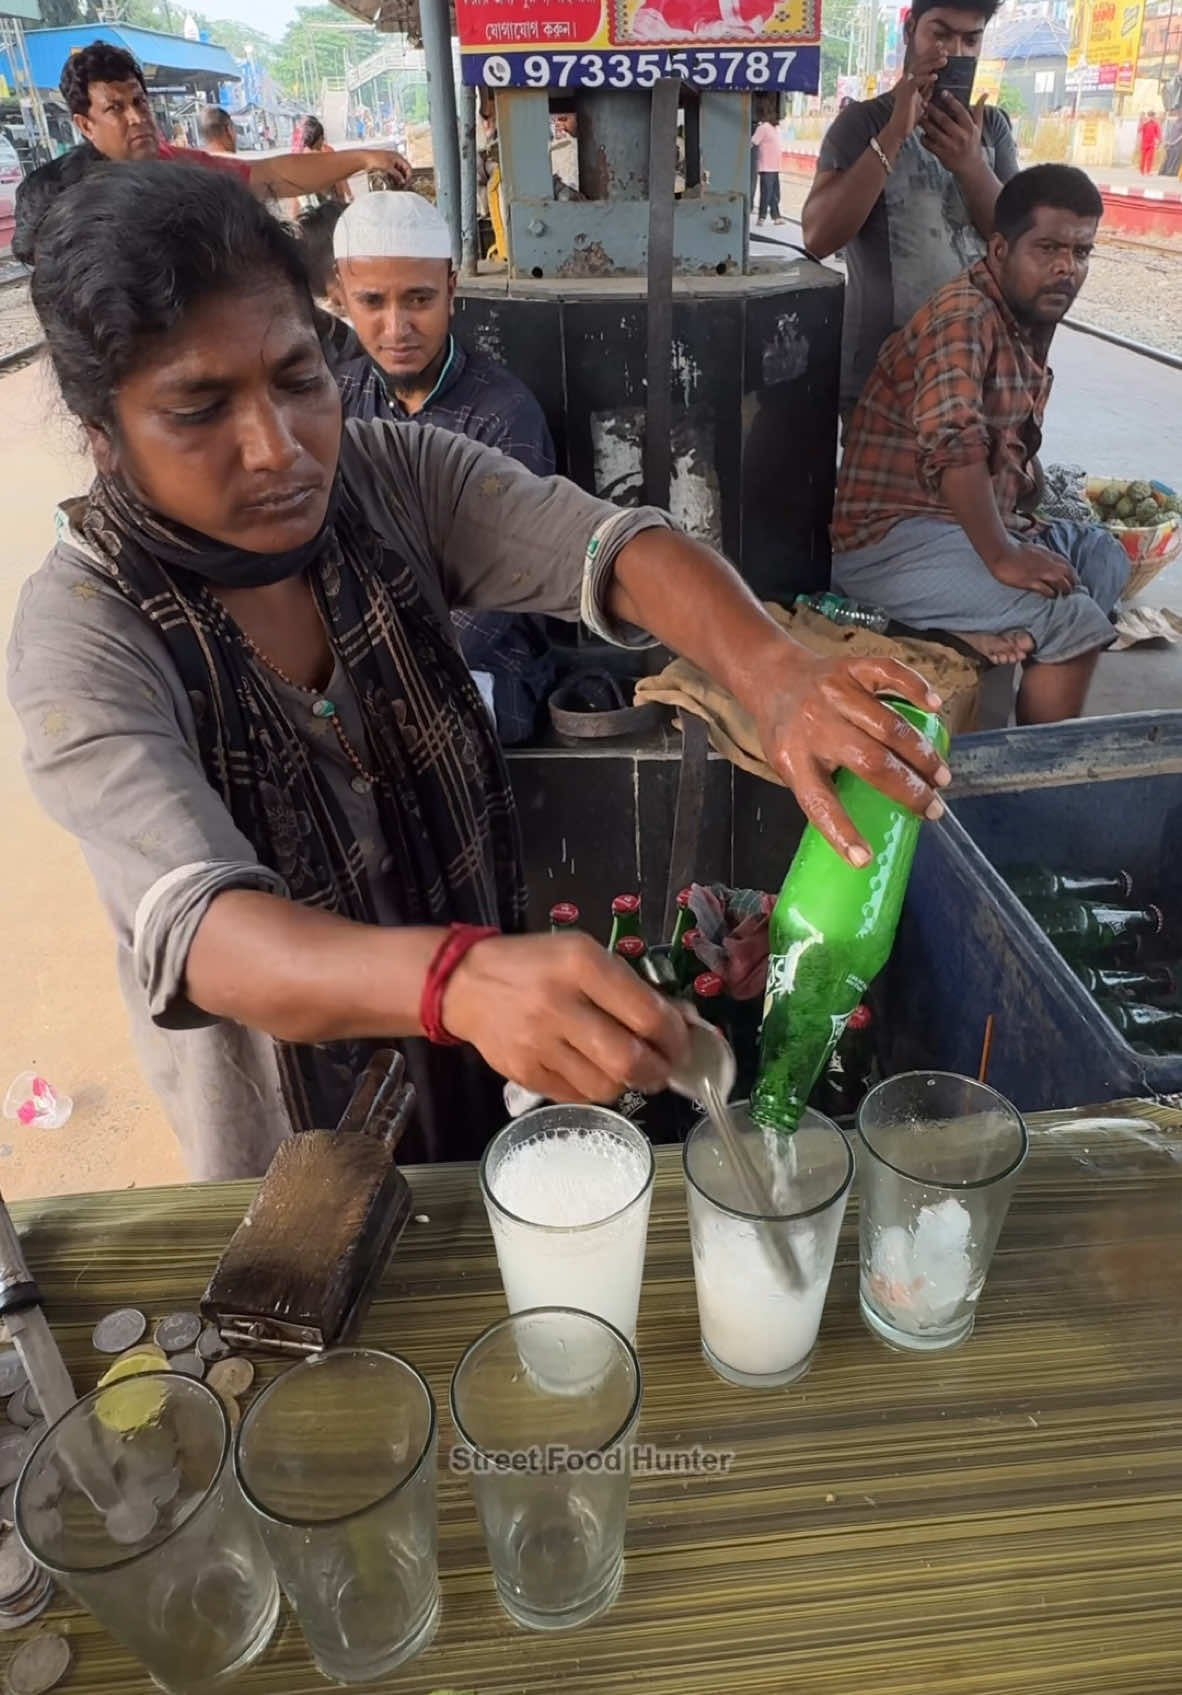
x=762 y=1265
x=549 y=1456
x=337 y=1458
x=943 y=1156
x=130 y=1500
x=567 y=1190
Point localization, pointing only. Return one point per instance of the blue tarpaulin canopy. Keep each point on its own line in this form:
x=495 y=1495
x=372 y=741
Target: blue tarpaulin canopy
x=166 y=59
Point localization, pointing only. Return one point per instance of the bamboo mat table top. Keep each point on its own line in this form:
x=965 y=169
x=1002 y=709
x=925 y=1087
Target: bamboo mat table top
x=1005 y=1518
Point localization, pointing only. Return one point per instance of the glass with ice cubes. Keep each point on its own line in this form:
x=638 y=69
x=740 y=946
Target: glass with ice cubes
x=941 y=1157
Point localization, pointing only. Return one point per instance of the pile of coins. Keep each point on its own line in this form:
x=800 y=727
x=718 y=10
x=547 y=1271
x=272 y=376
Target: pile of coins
x=22 y=1430
x=25 y=1589
x=180 y=1343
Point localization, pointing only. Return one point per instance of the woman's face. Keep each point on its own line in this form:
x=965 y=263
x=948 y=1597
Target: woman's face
x=233 y=425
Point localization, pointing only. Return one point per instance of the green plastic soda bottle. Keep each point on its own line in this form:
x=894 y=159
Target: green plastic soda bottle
x=831 y=934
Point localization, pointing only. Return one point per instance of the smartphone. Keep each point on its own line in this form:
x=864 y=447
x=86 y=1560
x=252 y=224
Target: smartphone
x=956 y=78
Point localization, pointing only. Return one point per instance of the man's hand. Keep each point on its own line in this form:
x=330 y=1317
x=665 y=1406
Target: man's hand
x=1025 y=565
x=827 y=717
x=910 y=95
x=389 y=161
x=952 y=132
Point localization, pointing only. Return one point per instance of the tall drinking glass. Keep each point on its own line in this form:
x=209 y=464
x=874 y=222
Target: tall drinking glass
x=568 y=1189
x=130 y=1500
x=944 y=1154
x=337 y=1458
x=762 y=1276
x=550 y=1461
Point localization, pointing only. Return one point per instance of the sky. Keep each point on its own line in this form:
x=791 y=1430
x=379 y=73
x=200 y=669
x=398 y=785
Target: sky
x=272 y=16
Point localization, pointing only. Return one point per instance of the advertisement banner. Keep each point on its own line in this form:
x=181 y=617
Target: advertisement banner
x=771 y=46
x=988 y=80
x=1105 y=42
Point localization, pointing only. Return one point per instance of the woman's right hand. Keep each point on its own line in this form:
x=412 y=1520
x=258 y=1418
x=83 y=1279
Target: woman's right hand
x=560 y=1016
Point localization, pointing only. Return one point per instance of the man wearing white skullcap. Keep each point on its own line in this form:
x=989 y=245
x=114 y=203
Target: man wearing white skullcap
x=395 y=277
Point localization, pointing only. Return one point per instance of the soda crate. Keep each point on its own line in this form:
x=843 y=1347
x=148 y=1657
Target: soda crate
x=1096 y=795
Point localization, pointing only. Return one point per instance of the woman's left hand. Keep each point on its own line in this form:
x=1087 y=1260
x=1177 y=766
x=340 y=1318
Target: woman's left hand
x=826 y=716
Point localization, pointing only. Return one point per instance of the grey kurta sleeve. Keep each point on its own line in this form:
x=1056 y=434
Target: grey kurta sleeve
x=502 y=538
x=109 y=755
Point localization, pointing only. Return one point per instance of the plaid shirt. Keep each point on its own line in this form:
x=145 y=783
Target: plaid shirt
x=961 y=384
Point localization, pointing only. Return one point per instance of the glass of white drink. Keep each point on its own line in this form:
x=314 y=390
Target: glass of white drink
x=762 y=1277
x=943 y=1154
x=567 y=1190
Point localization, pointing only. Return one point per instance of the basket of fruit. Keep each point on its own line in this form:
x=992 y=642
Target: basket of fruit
x=1147 y=520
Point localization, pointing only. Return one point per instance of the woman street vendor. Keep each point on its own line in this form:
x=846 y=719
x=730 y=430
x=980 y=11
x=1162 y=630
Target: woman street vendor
x=239 y=689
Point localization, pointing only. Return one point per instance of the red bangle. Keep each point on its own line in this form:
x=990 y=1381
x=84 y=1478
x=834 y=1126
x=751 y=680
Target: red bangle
x=451 y=950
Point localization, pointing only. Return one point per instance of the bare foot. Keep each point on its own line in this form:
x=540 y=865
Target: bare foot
x=1008 y=647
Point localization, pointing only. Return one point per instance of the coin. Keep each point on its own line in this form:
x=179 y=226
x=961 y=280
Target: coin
x=210 y=1345
x=119 y=1330
x=229 y=1377
x=189 y=1365
x=157 y=1358
x=12 y=1373
x=16 y=1567
x=130 y=1520
x=13 y=1453
x=39 y=1666
x=177 y=1333
x=17 y=1411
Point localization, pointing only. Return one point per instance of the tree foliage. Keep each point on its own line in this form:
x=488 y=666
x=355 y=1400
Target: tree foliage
x=310 y=54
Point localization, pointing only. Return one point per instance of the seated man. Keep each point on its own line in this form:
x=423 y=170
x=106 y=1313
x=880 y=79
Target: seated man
x=940 y=462
x=397 y=283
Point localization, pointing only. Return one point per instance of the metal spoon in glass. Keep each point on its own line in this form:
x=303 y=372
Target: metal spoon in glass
x=708 y=1075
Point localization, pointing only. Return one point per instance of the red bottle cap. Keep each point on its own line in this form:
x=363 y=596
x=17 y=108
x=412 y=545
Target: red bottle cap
x=690 y=939
x=564 y=912
x=632 y=947
x=1158 y=915
x=683 y=898
x=708 y=985
x=860 y=1018
x=624 y=905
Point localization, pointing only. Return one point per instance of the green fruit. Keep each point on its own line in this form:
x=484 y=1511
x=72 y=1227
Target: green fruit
x=1139 y=491
x=1110 y=494
x=1148 y=512
x=1124 y=507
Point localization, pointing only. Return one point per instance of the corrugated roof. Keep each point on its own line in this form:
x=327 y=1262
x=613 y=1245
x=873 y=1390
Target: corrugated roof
x=1025 y=38
x=159 y=54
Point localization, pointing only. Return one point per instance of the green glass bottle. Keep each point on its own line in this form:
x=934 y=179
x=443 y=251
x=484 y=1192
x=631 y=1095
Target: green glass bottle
x=1157 y=1026
x=1084 y=932
x=831 y=933
x=625 y=920
x=564 y=915
x=684 y=922
x=709 y=998
x=850 y=1073
x=1035 y=882
x=685 y=959
x=1151 y=983
x=631 y=950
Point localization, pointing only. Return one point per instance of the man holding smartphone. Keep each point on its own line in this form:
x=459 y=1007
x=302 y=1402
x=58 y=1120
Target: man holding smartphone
x=907 y=183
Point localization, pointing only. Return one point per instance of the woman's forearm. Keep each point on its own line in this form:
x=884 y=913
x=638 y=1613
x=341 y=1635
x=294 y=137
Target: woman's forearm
x=687 y=596
x=306 y=976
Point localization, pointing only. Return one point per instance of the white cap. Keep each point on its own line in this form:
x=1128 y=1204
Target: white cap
x=391 y=224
